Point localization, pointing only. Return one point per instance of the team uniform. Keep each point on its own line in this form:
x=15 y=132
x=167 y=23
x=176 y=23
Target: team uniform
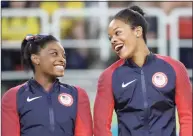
x=144 y=98
x=28 y=110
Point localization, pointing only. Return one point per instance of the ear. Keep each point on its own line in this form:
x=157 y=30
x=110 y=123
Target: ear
x=35 y=59
x=138 y=31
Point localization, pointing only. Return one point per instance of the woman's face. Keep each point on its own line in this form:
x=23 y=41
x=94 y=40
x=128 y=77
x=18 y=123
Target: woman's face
x=52 y=59
x=123 y=39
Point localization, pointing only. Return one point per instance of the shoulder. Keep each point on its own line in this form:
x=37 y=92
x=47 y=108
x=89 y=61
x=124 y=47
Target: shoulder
x=81 y=91
x=13 y=91
x=82 y=95
x=10 y=95
x=176 y=64
x=76 y=89
x=67 y=86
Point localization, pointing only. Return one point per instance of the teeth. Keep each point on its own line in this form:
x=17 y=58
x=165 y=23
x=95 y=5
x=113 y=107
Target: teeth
x=116 y=47
x=59 y=67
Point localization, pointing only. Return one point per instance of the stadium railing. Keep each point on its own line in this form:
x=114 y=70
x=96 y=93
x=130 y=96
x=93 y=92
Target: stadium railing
x=175 y=42
x=32 y=12
x=37 y=12
x=102 y=43
x=103 y=14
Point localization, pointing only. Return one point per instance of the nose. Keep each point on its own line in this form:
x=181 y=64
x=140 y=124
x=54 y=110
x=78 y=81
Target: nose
x=62 y=59
x=114 y=41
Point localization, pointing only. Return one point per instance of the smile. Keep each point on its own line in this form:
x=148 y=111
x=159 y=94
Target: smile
x=59 y=67
x=118 y=47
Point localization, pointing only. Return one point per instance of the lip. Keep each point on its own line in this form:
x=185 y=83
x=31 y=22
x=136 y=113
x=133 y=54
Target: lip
x=59 y=67
x=118 y=46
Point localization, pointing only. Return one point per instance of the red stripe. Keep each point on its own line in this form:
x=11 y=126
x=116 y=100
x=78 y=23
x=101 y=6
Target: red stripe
x=104 y=102
x=84 y=119
x=183 y=96
x=10 y=118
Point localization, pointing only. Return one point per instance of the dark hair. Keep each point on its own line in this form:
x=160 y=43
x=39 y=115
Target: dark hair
x=32 y=45
x=135 y=17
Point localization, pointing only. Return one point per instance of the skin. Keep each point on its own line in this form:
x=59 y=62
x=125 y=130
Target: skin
x=134 y=46
x=46 y=62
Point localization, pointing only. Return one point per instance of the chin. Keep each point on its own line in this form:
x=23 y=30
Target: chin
x=121 y=57
x=124 y=56
x=59 y=74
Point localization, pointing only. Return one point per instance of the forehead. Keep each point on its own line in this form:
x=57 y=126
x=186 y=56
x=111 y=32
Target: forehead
x=54 y=45
x=116 y=23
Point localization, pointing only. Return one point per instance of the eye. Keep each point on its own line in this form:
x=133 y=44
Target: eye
x=118 y=32
x=109 y=38
x=54 y=53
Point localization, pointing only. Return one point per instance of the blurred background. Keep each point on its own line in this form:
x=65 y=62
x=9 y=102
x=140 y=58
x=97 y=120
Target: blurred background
x=82 y=29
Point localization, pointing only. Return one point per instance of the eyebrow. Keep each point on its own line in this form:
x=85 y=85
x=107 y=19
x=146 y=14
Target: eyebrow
x=52 y=49
x=57 y=50
x=115 y=28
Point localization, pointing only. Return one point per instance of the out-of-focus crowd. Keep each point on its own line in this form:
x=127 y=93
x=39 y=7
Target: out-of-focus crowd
x=77 y=28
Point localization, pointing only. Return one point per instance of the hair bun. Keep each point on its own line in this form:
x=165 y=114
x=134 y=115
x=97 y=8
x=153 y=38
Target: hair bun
x=137 y=9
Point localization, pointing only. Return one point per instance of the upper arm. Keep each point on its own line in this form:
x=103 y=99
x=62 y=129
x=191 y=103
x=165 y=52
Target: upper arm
x=103 y=107
x=183 y=99
x=183 y=96
x=183 y=89
x=10 y=119
x=83 y=125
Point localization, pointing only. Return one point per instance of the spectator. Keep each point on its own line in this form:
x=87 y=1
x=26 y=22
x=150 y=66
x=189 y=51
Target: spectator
x=169 y=6
x=185 y=53
x=71 y=29
x=14 y=29
x=77 y=58
x=17 y=27
x=119 y=4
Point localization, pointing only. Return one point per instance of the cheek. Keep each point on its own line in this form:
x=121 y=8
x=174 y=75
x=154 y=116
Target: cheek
x=131 y=40
x=46 y=62
x=123 y=38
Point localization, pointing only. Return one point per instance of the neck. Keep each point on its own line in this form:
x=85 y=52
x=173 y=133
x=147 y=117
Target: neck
x=45 y=81
x=140 y=54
